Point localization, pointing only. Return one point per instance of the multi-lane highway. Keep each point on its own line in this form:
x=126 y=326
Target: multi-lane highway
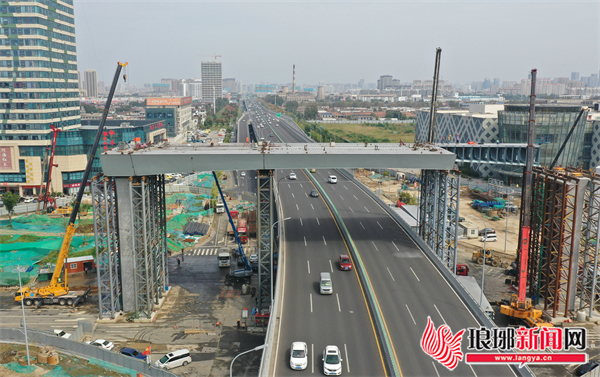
x=408 y=288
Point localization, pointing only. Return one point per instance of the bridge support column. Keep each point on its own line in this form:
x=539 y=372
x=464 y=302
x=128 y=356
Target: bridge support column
x=264 y=237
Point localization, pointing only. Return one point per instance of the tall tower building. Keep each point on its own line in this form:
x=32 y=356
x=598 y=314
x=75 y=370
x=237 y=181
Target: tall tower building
x=212 y=80
x=575 y=76
x=39 y=87
x=91 y=83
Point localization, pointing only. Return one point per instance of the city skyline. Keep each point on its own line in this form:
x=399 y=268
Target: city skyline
x=335 y=42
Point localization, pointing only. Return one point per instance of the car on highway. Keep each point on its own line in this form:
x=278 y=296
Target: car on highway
x=332 y=179
x=298 y=356
x=270 y=135
x=243 y=174
x=101 y=343
x=62 y=334
x=293 y=175
x=345 y=262
x=314 y=193
x=332 y=362
x=132 y=352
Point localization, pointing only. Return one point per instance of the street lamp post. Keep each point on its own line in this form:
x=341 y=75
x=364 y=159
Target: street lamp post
x=23 y=309
x=253 y=349
x=273 y=227
x=483 y=266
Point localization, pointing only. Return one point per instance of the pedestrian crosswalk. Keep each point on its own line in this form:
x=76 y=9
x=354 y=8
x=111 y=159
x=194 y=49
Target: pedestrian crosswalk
x=201 y=252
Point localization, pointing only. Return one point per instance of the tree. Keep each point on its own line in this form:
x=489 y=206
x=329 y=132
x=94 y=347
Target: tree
x=311 y=112
x=291 y=106
x=407 y=198
x=10 y=201
x=83 y=207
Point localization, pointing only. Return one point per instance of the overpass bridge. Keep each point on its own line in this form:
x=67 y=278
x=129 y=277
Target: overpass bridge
x=501 y=154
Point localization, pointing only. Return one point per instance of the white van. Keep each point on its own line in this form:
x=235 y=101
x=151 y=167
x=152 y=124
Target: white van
x=174 y=359
x=490 y=237
x=326 y=286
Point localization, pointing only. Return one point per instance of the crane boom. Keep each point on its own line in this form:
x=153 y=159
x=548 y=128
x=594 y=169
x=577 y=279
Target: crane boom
x=55 y=288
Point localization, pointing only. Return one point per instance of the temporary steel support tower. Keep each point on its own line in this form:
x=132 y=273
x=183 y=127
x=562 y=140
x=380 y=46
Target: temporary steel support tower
x=107 y=247
x=265 y=227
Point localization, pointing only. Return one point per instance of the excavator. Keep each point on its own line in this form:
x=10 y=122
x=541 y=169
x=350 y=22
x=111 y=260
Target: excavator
x=58 y=291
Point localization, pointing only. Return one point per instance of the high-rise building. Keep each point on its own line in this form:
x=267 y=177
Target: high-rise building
x=229 y=84
x=101 y=87
x=39 y=88
x=575 y=76
x=212 y=80
x=384 y=81
x=91 y=83
x=361 y=83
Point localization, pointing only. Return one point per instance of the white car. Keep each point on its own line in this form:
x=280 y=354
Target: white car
x=101 y=343
x=298 y=356
x=332 y=361
x=293 y=176
x=332 y=179
x=62 y=334
x=243 y=174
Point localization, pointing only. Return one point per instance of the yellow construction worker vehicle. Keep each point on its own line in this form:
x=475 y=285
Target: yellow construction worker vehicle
x=490 y=258
x=58 y=291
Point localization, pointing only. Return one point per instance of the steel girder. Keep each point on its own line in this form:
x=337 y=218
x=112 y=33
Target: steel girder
x=107 y=247
x=264 y=237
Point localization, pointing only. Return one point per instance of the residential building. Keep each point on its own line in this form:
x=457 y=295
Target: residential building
x=176 y=112
x=91 y=83
x=43 y=48
x=212 y=80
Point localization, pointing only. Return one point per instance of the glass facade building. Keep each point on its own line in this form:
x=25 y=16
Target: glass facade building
x=39 y=87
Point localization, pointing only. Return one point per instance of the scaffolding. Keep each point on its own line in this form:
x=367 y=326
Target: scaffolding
x=107 y=247
x=265 y=227
x=438 y=213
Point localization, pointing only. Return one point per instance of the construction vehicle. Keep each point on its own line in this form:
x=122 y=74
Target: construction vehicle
x=242 y=275
x=490 y=258
x=520 y=306
x=44 y=196
x=58 y=291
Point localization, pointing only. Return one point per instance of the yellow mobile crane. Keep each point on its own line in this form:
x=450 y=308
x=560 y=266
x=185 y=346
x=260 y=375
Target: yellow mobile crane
x=57 y=292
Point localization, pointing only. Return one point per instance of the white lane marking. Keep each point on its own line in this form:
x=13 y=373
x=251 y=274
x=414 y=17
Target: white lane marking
x=330 y=266
x=436 y=372
x=312 y=206
x=351 y=209
x=395 y=246
x=355 y=197
x=304 y=240
x=440 y=314
x=308 y=264
x=318 y=221
x=338 y=300
x=325 y=242
x=347 y=358
x=301 y=222
x=390 y=274
x=282 y=172
x=345 y=187
x=297 y=207
x=333 y=188
x=411 y=316
x=288 y=185
x=301 y=185
x=306 y=194
x=312 y=359
x=373 y=242
x=360 y=222
x=379 y=225
x=342 y=197
x=293 y=196
x=366 y=209
x=311 y=303
x=414 y=273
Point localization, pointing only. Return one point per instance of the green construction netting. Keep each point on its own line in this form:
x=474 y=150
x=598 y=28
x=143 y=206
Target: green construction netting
x=21 y=369
x=58 y=372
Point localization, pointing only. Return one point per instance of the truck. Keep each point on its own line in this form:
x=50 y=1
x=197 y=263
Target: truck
x=219 y=208
x=73 y=298
x=242 y=229
x=474 y=290
x=224 y=258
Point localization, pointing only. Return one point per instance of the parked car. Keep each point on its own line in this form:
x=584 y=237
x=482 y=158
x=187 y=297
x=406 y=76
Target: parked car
x=486 y=231
x=298 y=356
x=101 y=343
x=174 y=359
x=345 y=262
x=332 y=362
x=62 y=334
x=490 y=237
x=332 y=179
x=243 y=173
x=132 y=352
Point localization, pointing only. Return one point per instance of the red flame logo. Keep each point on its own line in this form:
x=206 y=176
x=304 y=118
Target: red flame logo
x=442 y=345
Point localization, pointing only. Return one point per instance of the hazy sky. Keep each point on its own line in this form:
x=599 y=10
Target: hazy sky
x=338 y=41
